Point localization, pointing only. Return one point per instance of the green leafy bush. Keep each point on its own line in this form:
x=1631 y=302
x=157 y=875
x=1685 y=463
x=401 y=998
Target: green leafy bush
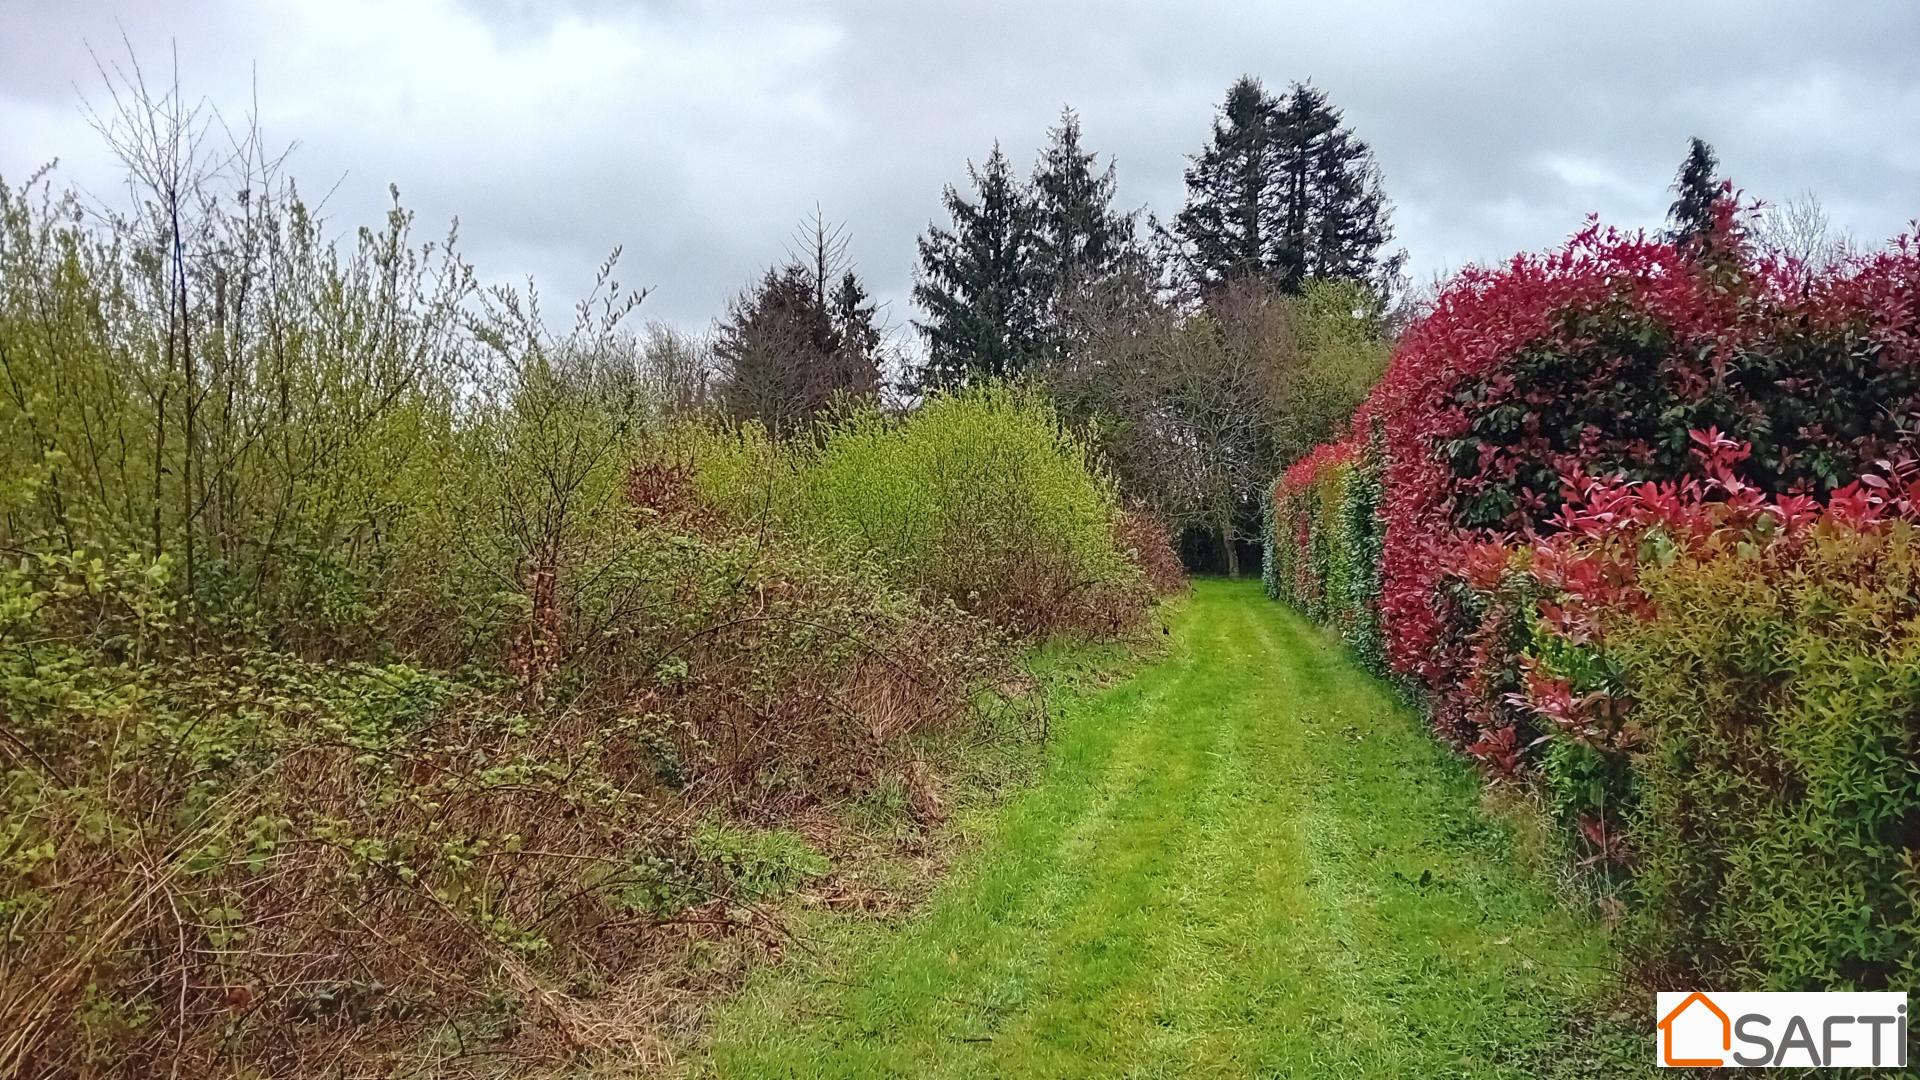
x=979 y=497
x=1340 y=353
x=1775 y=801
x=261 y=436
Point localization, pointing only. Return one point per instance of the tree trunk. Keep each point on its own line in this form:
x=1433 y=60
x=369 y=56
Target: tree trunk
x=1230 y=549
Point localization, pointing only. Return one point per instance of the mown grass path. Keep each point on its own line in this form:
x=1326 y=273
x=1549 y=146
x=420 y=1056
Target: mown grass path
x=1246 y=860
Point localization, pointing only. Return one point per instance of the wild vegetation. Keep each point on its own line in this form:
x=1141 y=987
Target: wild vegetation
x=394 y=683
x=1198 y=357
x=1635 y=519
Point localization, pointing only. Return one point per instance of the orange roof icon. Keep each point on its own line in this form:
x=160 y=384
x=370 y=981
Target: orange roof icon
x=1666 y=1031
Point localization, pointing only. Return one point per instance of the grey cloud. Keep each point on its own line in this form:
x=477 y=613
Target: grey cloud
x=697 y=133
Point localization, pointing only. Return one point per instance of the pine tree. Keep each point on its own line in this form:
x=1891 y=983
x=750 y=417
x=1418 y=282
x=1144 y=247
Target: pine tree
x=772 y=334
x=978 y=282
x=1286 y=192
x=1696 y=191
x=819 y=247
x=786 y=359
x=1305 y=125
x=1347 y=208
x=857 y=338
x=1080 y=237
x=802 y=338
x=1233 y=190
x=1080 y=240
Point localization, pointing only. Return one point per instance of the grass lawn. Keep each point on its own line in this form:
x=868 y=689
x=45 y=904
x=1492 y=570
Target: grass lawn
x=1245 y=860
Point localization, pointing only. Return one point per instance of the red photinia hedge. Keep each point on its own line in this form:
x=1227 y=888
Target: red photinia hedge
x=1291 y=572
x=1640 y=522
x=1720 y=689
x=1587 y=575
x=1598 y=359
x=1302 y=474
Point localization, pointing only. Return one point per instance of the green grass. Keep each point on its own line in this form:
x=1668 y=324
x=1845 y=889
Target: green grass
x=1247 y=860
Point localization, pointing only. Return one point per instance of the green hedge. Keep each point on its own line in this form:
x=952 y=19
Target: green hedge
x=1730 y=736
x=1649 y=549
x=1327 y=521
x=1774 y=810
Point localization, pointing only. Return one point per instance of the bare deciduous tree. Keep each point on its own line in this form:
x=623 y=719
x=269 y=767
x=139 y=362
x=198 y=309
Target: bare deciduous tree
x=1197 y=411
x=1799 y=229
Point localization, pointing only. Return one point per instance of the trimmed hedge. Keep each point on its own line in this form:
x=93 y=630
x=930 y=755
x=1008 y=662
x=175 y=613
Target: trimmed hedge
x=1329 y=511
x=1776 y=796
x=1636 y=526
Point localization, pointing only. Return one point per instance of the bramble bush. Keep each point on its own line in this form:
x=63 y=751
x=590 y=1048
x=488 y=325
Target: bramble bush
x=1644 y=540
x=451 y=831
x=242 y=853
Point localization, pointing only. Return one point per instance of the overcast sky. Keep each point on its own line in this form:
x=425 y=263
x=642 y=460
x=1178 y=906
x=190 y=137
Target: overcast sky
x=696 y=134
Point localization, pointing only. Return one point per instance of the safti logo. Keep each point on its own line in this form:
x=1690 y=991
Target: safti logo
x=1771 y=1031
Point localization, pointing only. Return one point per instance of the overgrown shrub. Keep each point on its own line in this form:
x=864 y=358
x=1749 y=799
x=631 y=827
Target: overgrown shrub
x=366 y=649
x=161 y=395
x=1147 y=542
x=978 y=497
x=1340 y=351
x=242 y=855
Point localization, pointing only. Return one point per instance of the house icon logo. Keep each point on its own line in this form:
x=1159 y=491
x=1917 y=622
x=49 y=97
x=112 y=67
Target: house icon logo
x=1772 y=1029
x=1700 y=1016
